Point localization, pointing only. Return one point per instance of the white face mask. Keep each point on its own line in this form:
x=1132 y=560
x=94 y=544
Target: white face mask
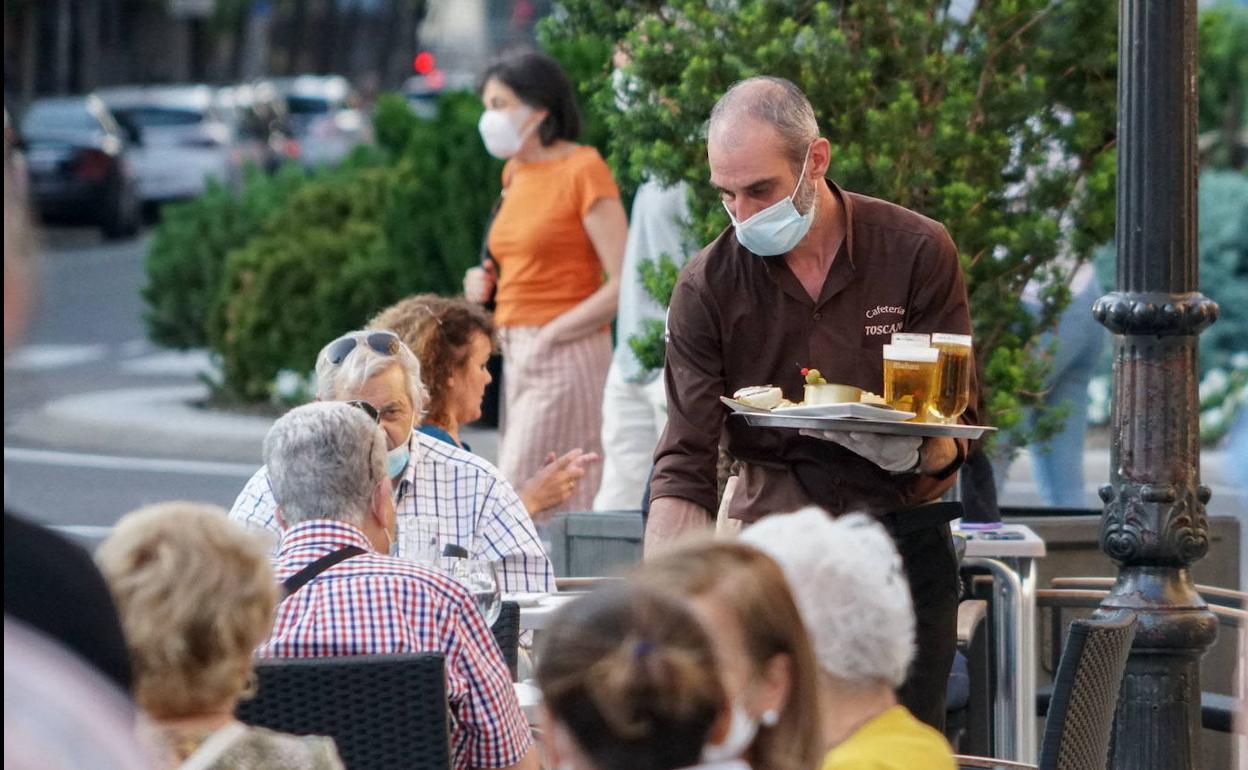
x=500 y=133
x=741 y=732
x=777 y=228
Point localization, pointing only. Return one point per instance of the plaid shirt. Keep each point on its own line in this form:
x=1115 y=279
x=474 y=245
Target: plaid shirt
x=375 y=605
x=475 y=508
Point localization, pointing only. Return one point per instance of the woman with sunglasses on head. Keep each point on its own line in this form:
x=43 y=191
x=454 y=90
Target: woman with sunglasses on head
x=473 y=506
x=628 y=682
x=766 y=662
x=453 y=339
x=555 y=246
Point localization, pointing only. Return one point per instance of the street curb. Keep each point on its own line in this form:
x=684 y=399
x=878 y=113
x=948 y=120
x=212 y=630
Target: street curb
x=146 y=422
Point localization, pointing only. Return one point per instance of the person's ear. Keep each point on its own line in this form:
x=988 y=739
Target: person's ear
x=775 y=684
x=820 y=158
x=381 y=505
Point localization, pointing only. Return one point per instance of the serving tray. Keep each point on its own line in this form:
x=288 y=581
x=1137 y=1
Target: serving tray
x=884 y=427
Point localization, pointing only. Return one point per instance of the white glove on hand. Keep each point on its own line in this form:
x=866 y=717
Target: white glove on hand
x=896 y=454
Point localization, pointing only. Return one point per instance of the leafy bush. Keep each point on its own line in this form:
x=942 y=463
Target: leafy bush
x=317 y=270
x=1223 y=84
x=406 y=217
x=956 y=118
x=186 y=259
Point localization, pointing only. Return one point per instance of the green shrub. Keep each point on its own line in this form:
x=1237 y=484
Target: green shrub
x=187 y=255
x=318 y=269
x=402 y=218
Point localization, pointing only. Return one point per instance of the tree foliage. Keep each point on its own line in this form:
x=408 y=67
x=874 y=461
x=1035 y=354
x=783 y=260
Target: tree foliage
x=1000 y=125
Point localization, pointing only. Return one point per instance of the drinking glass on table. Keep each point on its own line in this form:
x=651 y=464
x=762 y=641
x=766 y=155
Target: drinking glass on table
x=953 y=376
x=910 y=378
x=480 y=577
x=418 y=541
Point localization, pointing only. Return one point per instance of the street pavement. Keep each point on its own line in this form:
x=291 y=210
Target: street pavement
x=99 y=421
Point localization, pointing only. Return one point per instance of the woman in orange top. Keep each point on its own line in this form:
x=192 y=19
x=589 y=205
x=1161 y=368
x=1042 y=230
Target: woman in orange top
x=558 y=242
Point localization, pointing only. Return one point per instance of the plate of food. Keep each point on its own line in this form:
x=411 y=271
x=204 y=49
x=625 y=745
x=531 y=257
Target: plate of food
x=852 y=410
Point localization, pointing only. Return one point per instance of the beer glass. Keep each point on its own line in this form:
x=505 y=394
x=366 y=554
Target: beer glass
x=953 y=376
x=910 y=379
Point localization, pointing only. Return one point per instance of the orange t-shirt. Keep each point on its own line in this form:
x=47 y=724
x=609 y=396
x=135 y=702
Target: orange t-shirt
x=546 y=262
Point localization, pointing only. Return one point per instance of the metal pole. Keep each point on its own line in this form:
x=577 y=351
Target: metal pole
x=1154 y=525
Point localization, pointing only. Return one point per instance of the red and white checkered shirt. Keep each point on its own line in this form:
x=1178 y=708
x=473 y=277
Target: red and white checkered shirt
x=374 y=604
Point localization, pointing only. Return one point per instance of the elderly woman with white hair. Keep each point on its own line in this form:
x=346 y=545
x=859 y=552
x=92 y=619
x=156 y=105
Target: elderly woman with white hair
x=853 y=596
x=472 y=505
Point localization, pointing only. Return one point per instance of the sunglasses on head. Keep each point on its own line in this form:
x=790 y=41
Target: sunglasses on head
x=384 y=343
x=367 y=409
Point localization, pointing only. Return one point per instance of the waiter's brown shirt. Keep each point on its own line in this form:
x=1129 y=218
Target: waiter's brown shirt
x=737 y=319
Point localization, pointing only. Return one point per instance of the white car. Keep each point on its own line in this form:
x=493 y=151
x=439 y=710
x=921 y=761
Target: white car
x=323 y=117
x=184 y=140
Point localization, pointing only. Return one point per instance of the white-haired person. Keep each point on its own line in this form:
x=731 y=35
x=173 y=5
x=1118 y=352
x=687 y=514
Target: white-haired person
x=347 y=596
x=473 y=505
x=196 y=595
x=847 y=578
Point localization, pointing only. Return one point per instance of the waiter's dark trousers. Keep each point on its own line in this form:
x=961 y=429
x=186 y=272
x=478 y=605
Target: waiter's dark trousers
x=932 y=569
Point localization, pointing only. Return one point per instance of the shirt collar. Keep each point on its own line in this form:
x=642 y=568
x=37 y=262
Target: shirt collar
x=415 y=452
x=847 y=206
x=322 y=534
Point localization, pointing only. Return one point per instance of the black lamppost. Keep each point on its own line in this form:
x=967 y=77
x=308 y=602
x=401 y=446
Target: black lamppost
x=1154 y=525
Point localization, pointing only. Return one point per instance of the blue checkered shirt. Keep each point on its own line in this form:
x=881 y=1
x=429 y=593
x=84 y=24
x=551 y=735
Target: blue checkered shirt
x=474 y=505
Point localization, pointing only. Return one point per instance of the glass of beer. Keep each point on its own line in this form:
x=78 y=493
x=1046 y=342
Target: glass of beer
x=953 y=376
x=910 y=378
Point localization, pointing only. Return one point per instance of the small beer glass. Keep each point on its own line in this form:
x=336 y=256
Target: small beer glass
x=910 y=379
x=953 y=376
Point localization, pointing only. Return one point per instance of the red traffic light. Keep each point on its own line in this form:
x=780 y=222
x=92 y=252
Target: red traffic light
x=424 y=63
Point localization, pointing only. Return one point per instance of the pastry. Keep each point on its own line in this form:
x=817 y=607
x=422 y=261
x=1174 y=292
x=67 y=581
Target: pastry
x=760 y=396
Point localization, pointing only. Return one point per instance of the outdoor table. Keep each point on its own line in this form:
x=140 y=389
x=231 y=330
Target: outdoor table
x=535 y=617
x=1012 y=564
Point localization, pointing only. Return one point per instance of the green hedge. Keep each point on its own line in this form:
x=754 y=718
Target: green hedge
x=186 y=258
x=266 y=277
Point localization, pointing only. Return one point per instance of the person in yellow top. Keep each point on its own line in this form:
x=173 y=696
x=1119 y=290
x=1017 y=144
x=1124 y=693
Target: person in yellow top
x=847 y=578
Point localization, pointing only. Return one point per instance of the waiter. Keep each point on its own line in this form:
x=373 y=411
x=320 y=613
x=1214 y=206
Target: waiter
x=810 y=275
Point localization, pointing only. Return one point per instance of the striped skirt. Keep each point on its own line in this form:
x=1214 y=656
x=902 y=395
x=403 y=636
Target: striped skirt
x=552 y=405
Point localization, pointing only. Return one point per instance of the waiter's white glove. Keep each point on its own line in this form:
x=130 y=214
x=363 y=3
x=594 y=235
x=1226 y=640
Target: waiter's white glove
x=896 y=454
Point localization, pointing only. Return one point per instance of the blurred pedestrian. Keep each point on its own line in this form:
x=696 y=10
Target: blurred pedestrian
x=453 y=339
x=765 y=659
x=555 y=248
x=50 y=583
x=852 y=593
x=1079 y=343
x=196 y=595
x=628 y=682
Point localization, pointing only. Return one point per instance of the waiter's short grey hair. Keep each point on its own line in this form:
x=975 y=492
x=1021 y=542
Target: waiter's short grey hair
x=343 y=381
x=850 y=588
x=775 y=101
x=324 y=459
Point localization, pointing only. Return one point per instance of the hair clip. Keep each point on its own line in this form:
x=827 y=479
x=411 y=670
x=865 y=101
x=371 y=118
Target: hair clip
x=642 y=649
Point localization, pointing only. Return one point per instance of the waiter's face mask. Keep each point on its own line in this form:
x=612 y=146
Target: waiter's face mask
x=778 y=228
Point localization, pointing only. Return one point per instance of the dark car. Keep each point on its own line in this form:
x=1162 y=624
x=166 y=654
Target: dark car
x=77 y=165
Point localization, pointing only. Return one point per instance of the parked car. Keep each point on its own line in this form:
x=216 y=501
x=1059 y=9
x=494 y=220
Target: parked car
x=78 y=166
x=324 y=117
x=261 y=122
x=184 y=140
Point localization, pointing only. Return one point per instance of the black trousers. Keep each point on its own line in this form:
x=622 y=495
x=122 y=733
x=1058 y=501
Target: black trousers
x=932 y=570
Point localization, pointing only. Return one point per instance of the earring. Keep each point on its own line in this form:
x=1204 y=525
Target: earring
x=770 y=718
x=251 y=686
